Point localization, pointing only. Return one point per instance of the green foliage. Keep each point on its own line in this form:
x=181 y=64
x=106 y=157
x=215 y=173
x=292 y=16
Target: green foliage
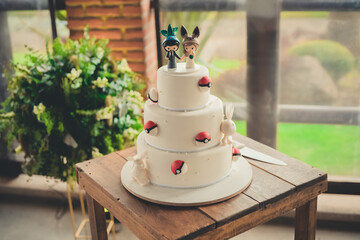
x=72 y=104
x=61 y=15
x=333 y=56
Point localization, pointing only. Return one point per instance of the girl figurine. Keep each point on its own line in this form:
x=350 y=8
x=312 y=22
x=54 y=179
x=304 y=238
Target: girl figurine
x=190 y=45
x=171 y=45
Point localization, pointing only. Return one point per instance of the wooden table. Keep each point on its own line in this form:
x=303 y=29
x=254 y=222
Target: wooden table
x=274 y=190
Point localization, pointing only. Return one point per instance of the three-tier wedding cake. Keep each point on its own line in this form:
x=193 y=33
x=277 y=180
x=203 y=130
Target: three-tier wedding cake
x=185 y=154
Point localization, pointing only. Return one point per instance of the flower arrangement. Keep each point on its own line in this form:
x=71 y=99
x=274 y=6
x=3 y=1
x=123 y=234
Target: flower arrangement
x=73 y=104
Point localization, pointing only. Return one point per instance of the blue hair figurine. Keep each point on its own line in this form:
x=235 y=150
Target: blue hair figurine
x=171 y=45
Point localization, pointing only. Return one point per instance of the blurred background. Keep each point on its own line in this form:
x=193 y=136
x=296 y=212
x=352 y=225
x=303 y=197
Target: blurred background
x=318 y=76
x=314 y=92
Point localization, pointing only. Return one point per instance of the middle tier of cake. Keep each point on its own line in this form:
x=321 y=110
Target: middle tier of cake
x=184 y=131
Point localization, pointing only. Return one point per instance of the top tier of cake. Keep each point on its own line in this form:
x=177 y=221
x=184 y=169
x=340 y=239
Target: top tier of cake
x=183 y=89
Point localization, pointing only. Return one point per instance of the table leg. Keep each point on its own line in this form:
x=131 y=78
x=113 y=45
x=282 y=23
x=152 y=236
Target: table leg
x=305 y=221
x=97 y=219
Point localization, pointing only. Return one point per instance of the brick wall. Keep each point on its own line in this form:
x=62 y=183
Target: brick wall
x=128 y=24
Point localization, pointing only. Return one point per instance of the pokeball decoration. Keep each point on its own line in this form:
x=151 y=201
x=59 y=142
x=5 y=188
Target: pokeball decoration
x=178 y=167
x=151 y=128
x=203 y=138
x=236 y=154
x=153 y=95
x=205 y=83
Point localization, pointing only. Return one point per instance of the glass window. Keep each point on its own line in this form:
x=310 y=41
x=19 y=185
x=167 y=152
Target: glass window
x=319 y=79
x=33 y=29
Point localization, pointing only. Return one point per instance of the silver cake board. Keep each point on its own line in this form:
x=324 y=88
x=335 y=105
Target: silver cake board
x=237 y=181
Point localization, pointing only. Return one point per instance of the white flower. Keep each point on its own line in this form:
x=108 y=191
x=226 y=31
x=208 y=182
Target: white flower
x=43 y=68
x=105 y=113
x=122 y=109
x=124 y=66
x=95 y=152
x=7 y=115
x=18 y=149
x=74 y=74
x=134 y=107
x=130 y=134
x=134 y=101
x=101 y=82
x=39 y=109
x=129 y=100
x=99 y=52
x=23 y=68
x=70 y=141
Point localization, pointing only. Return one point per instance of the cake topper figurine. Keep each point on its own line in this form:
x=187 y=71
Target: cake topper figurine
x=171 y=45
x=228 y=127
x=190 y=45
x=140 y=172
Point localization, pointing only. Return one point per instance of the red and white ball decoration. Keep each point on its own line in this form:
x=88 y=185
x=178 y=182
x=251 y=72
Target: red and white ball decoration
x=153 y=95
x=203 y=138
x=205 y=83
x=178 y=167
x=236 y=154
x=151 y=128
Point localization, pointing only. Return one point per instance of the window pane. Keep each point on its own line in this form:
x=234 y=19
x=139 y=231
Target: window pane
x=319 y=79
x=319 y=61
x=32 y=29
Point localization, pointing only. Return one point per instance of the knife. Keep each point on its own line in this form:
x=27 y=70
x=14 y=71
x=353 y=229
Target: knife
x=256 y=155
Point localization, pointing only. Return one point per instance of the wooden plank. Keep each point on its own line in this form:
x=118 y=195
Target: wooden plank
x=296 y=172
x=264 y=189
x=97 y=219
x=305 y=221
x=231 y=209
x=101 y=179
x=267 y=188
x=128 y=152
x=271 y=211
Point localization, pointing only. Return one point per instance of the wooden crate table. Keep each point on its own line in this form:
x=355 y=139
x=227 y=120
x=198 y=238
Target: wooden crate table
x=274 y=190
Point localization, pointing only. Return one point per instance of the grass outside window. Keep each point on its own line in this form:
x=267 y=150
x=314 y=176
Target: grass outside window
x=332 y=148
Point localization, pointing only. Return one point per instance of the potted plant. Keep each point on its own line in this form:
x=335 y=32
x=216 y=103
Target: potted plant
x=70 y=105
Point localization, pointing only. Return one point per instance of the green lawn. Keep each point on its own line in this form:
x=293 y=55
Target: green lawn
x=217 y=66
x=302 y=14
x=332 y=148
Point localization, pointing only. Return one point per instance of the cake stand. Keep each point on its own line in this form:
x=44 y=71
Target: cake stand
x=237 y=181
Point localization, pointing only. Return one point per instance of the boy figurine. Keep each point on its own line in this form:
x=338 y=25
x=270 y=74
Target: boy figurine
x=171 y=45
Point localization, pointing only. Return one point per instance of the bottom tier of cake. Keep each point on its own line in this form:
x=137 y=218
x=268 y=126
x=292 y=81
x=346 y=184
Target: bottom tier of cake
x=237 y=181
x=186 y=169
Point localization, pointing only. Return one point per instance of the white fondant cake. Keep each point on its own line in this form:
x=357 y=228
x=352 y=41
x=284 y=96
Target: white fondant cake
x=185 y=155
x=177 y=130
x=182 y=145
x=179 y=89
